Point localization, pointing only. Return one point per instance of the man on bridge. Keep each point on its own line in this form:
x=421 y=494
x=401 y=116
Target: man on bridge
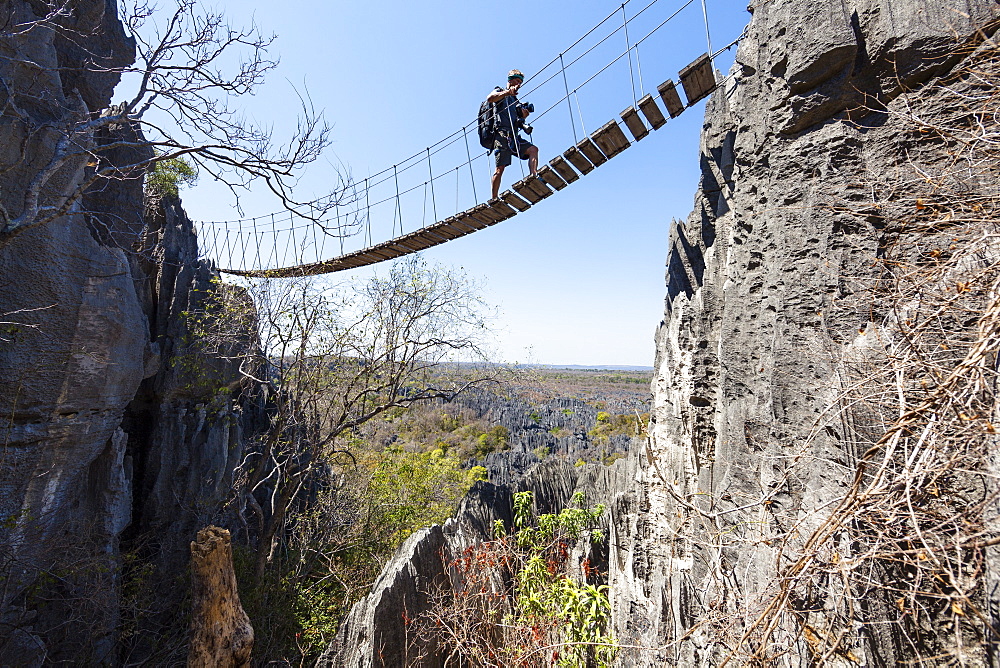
x=510 y=118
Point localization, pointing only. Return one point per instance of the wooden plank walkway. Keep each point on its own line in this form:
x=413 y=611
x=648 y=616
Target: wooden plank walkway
x=698 y=81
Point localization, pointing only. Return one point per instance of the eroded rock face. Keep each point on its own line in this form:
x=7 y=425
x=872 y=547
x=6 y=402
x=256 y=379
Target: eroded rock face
x=102 y=428
x=763 y=306
x=374 y=632
x=71 y=353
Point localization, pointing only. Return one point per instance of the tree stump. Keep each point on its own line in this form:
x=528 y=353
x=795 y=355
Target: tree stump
x=221 y=635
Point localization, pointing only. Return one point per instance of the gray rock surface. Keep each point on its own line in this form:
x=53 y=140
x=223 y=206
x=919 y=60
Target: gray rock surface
x=373 y=634
x=70 y=354
x=761 y=310
x=104 y=436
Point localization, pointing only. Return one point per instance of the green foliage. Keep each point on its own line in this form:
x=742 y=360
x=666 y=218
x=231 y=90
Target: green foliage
x=545 y=608
x=612 y=425
x=578 y=611
x=168 y=176
x=296 y=606
x=446 y=429
x=494 y=440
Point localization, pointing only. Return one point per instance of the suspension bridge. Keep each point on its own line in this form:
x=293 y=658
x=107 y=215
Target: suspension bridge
x=291 y=244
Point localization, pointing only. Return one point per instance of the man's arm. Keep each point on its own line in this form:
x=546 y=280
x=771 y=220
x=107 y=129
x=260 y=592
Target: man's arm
x=498 y=95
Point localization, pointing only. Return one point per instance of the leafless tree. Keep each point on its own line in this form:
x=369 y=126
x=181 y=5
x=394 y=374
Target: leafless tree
x=190 y=67
x=333 y=358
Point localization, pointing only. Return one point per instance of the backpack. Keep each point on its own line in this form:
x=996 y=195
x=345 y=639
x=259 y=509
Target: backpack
x=487 y=124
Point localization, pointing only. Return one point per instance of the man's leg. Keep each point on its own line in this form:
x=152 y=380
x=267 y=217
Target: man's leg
x=533 y=160
x=495 y=181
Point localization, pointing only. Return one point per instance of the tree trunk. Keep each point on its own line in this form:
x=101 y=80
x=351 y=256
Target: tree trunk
x=221 y=635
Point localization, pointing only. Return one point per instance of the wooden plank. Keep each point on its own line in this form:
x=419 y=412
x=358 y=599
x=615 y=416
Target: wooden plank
x=463 y=223
x=634 y=123
x=451 y=222
x=611 y=139
x=480 y=219
x=578 y=160
x=383 y=248
x=506 y=209
x=589 y=149
x=445 y=230
x=391 y=248
x=527 y=193
x=538 y=186
x=515 y=201
x=352 y=262
x=408 y=244
x=618 y=136
x=551 y=177
x=501 y=209
x=668 y=93
x=379 y=253
x=486 y=212
x=603 y=141
x=652 y=113
x=562 y=167
x=459 y=230
x=474 y=222
x=698 y=79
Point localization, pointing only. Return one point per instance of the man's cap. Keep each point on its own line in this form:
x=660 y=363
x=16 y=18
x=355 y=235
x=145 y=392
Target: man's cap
x=515 y=74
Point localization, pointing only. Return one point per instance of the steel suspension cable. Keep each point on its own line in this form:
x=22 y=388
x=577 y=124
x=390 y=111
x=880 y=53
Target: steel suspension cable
x=708 y=37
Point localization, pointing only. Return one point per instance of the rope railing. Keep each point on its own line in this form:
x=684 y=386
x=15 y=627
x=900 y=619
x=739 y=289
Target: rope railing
x=236 y=245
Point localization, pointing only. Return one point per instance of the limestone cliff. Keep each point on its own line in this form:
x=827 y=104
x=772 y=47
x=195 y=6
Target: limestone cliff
x=769 y=286
x=101 y=429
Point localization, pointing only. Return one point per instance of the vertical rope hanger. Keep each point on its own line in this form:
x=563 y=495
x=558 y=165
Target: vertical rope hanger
x=569 y=103
x=368 y=214
x=472 y=176
x=274 y=242
x=431 y=172
x=628 y=52
x=399 y=211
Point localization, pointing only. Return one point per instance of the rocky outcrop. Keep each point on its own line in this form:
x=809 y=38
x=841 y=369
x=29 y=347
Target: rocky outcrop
x=103 y=427
x=72 y=349
x=375 y=631
x=765 y=287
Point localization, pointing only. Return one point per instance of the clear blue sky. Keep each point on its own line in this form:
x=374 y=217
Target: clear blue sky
x=578 y=278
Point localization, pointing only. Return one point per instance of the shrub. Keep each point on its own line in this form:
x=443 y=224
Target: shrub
x=539 y=616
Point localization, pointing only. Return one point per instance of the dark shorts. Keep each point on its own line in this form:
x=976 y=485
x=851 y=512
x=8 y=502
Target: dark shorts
x=506 y=149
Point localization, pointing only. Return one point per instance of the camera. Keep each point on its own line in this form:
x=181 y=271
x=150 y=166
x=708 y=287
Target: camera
x=529 y=107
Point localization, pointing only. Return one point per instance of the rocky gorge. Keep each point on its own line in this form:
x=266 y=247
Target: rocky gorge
x=734 y=534
x=818 y=482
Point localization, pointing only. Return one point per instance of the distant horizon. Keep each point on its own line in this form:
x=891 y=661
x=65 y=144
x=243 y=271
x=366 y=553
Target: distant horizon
x=595 y=367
